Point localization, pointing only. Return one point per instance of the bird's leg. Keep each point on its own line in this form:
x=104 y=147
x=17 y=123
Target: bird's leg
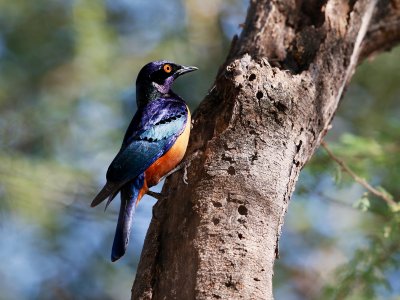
x=177 y=168
x=183 y=165
x=159 y=196
x=187 y=164
x=156 y=195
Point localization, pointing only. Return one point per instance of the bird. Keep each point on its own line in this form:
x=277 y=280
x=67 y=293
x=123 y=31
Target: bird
x=154 y=144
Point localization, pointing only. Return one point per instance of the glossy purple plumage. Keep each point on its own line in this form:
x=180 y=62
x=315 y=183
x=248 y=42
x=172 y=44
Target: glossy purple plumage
x=159 y=121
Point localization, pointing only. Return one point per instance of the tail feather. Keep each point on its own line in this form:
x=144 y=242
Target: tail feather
x=109 y=189
x=129 y=196
x=110 y=198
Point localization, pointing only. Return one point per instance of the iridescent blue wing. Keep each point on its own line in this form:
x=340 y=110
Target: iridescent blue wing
x=156 y=120
x=152 y=132
x=161 y=124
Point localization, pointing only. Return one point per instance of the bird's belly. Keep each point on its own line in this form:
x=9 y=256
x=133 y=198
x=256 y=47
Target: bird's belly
x=170 y=159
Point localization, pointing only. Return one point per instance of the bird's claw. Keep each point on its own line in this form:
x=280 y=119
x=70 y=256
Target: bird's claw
x=183 y=165
x=185 y=172
x=155 y=195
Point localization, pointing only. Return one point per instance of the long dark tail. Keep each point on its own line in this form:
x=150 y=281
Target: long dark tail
x=129 y=194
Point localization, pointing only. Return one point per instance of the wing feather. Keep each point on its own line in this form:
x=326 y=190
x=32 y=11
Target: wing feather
x=152 y=132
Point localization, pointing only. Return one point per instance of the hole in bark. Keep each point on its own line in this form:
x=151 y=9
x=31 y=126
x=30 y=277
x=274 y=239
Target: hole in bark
x=252 y=77
x=241 y=221
x=276 y=117
x=242 y=210
x=256 y=279
x=231 y=170
x=259 y=95
x=313 y=132
x=226 y=158
x=280 y=106
x=299 y=146
x=252 y=132
x=215 y=221
x=240 y=236
x=310 y=34
x=230 y=283
x=312 y=13
x=254 y=157
x=216 y=296
x=217 y=204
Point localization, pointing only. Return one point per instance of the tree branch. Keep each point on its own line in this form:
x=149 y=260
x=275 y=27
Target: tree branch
x=384 y=32
x=389 y=201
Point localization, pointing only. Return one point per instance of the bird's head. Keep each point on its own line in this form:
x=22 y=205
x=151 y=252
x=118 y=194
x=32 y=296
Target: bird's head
x=156 y=78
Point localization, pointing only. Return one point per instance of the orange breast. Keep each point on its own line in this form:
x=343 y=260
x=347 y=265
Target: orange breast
x=168 y=161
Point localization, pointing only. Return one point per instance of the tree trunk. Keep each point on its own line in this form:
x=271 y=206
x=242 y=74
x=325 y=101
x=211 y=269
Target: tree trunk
x=272 y=102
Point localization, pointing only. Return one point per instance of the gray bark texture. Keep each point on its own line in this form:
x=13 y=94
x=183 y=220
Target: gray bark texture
x=272 y=102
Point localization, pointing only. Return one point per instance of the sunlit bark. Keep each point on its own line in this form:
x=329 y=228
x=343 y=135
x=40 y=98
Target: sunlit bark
x=272 y=102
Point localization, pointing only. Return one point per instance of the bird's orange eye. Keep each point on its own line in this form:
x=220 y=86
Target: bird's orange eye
x=167 y=68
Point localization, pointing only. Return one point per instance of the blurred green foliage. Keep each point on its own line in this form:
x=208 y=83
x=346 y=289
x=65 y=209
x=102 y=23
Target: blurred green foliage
x=67 y=70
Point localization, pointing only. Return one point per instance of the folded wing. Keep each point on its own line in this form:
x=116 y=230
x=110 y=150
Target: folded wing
x=152 y=132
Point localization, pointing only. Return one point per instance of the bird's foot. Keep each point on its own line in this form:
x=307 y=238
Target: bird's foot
x=185 y=177
x=177 y=168
x=186 y=164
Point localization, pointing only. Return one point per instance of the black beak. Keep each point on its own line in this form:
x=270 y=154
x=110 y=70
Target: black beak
x=184 y=70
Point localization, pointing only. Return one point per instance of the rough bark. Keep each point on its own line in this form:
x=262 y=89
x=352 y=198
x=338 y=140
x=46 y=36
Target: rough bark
x=272 y=103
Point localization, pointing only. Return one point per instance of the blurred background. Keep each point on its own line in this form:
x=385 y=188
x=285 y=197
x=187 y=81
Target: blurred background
x=67 y=72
